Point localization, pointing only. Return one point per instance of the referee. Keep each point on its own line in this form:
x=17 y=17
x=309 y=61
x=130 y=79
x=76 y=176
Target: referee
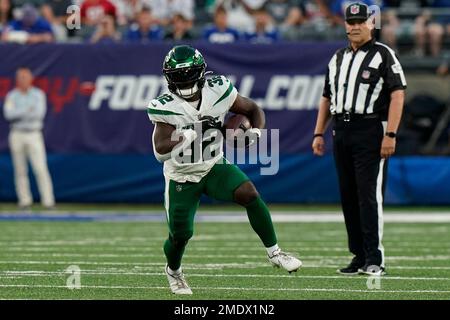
x=364 y=94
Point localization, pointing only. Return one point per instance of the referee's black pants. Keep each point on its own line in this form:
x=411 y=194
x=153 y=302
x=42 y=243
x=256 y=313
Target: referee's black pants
x=361 y=172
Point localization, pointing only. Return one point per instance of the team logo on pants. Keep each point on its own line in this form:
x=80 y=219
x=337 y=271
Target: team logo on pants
x=179 y=187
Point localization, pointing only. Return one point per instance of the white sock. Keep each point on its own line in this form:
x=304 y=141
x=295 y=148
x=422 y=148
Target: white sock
x=173 y=272
x=272 y=249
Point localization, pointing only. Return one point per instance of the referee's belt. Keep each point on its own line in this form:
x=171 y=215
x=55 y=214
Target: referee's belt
x=347 y=116
x=26 y=130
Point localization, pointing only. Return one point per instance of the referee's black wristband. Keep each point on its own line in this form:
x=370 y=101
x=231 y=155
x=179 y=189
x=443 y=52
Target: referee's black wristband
x=318 y=135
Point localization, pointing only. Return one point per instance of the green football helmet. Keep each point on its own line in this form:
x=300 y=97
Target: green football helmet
x=184 y=68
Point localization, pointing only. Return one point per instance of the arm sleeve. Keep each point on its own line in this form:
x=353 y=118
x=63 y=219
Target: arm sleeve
x=394 y=76
x=8 y=107
x=37 y=112
x=326 y=88
x=45 y=27
x=230 y=93
x=10 y=111
x=206 y=33
x=156 y=114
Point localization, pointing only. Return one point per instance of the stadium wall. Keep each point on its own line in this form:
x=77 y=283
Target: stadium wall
x=98 y=134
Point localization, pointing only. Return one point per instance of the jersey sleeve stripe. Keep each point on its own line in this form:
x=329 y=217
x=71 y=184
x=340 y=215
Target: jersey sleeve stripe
x=402 y=75
x=226 y=94
x=162 y=112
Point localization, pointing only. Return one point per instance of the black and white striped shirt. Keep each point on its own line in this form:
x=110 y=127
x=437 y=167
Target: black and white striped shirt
x=361 y=82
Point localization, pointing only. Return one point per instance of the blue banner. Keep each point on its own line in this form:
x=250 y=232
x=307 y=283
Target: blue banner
x=99 y=137
x=97 y=95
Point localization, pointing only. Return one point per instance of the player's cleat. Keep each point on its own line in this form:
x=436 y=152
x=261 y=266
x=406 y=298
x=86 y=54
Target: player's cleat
x=351 y=269
x=177 y=282
x=372 y=270
x=281 y=259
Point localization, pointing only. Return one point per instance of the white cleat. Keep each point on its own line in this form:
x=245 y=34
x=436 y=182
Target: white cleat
x=177 y=283
x=286 y=261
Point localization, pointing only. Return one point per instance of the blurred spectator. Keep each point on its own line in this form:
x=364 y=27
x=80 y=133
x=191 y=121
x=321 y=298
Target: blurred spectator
x=128 y=10
x=5 y=13
x=106 y=31
x=18 y=4
x=264 y=32
x=58 y=8
x=393 y=27
x=432 y=27
x=287 y=13
x=31 y=28
x=145 y=29
x=55 y=12
x=390 y=27
x=180 y=29
x=220 y=32
x=443 y=68
x=240 y=12
x=21 y=3
x=93 y=11
x=165 y=10
x=314 y=23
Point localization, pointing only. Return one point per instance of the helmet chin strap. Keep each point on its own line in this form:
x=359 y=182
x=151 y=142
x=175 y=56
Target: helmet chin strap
x=188 y=93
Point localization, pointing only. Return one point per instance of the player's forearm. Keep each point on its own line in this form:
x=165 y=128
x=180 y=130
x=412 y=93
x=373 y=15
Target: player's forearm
x=163 y=146
x=395 y=110
x=249 y=108
x=323 y=117
x=258 y=118
x=164 y=149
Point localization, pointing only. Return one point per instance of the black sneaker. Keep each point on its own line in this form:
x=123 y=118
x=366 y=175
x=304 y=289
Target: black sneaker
x=351 y=269
x=372 y=270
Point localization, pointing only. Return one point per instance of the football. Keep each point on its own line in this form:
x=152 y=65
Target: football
x=238 y=123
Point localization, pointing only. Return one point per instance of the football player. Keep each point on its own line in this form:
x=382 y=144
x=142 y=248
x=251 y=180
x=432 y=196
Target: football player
x=197 y=102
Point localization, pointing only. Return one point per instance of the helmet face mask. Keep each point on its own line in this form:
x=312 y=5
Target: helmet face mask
x=184 y=69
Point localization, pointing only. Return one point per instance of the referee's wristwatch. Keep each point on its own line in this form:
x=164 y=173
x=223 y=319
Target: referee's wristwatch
x=391 y=134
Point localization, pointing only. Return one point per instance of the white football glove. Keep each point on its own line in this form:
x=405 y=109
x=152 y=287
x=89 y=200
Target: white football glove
x=255 y=134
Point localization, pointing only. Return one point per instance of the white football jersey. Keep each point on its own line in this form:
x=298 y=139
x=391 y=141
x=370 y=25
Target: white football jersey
x=218 y=95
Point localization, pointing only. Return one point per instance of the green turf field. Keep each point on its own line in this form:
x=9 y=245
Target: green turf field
x=124 y=260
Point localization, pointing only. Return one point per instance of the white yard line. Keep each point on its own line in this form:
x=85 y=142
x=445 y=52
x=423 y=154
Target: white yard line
x=230 y=256
x=228 y=289
x=247 y=265
x=279 y=216
x=146 y=252
x=299 y=276
x=208 y=240
x=226 y=216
